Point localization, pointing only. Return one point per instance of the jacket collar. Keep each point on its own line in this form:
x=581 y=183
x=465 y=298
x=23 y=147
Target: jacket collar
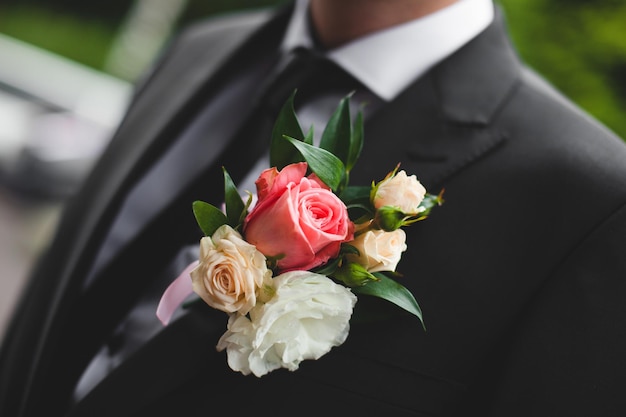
x=472 y=90
x=445 y=120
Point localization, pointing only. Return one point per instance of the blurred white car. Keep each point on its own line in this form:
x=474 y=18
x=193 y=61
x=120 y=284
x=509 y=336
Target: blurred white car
x=56 y=116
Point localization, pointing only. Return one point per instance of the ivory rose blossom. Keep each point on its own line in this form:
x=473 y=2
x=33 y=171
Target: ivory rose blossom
x=230 y=272
x=400 y=191
x=308 y=315
x=297 y=219
x=379 y=250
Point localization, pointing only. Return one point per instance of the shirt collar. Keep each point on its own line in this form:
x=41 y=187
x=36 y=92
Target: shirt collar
x=407 y=50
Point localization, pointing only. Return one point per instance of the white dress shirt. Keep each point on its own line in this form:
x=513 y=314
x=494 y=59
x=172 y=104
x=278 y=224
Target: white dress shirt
x=389 y=60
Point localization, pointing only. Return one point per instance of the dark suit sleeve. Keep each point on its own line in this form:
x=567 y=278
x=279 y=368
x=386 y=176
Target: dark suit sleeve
x=569 y=358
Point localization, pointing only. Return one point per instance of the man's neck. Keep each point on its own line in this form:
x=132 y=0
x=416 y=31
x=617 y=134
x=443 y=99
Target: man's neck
x=337 y=22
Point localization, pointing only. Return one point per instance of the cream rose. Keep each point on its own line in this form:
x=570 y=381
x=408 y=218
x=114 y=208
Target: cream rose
x=230 y=272
x=400 y=191
x=379 y=250
x=308 y=315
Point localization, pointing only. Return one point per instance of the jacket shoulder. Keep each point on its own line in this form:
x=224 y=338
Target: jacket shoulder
x=541 y=116
x=203 y=40
x=563 y=151
x=214 y=28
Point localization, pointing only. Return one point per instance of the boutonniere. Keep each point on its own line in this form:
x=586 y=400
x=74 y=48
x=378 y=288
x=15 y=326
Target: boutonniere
x=287 y=269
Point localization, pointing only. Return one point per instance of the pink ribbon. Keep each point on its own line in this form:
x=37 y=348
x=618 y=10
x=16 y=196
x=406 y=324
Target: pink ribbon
x=175 y=294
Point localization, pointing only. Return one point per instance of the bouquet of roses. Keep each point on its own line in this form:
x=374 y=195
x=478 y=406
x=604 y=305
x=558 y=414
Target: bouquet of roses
x=286 y=268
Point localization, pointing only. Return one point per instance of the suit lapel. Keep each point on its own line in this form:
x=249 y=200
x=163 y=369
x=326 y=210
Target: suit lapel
x=155 y=119
x=152 y=124
x=441 y=124
x=185 y=349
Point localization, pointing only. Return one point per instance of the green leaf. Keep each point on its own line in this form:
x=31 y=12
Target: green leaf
x=349 y=249
x=247 y=206
x=281 y=154
x=356 y=195
x=337 y=134
x=392 y=291
x=323 y=163
x=356 y=142
x=234 y=204
x=429 y=202
x=209 y=217
x=357 y=200
x=328 y=268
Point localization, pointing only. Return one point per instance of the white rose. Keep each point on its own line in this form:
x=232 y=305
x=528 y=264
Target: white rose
x=400 y=191
x=379 y=250
x=308 y=315
x=230 y=273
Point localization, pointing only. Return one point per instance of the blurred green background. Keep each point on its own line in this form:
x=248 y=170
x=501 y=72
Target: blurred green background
x=578 y=45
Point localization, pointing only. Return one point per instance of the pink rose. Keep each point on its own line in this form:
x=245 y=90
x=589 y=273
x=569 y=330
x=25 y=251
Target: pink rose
x=297 y=219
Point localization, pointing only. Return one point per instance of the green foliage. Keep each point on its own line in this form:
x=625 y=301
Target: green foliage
x=84 y=40
x=339 y=148
x=390 y=290
x=339 y=126
x=326 y=166
x=286 y=124
x=579 y=47
x=235 y=207
x=209 y=217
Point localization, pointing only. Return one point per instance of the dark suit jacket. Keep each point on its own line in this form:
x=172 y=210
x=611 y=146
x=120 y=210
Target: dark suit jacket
x=521 y=274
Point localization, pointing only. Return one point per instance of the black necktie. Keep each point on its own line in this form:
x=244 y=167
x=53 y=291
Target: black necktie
x=311 y=74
